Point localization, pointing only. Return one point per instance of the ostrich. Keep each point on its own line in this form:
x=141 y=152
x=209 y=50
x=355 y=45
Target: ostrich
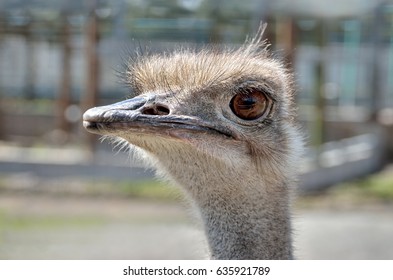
x=220 y=124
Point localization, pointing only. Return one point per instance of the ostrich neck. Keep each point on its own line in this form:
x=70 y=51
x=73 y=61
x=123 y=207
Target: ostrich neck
x=243 y=218
x=253 y=227
x=245 y=210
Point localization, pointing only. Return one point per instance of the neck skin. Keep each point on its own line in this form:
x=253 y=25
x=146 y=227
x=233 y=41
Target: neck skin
x=252 y=227
x=244 y=215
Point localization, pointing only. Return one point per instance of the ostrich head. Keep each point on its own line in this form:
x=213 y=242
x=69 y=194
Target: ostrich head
x=221 y=125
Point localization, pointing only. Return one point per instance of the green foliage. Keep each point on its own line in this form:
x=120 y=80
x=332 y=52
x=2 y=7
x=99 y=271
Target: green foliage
x=145 y=189
x=148 y=189
x=378 y=186
x=8 y=221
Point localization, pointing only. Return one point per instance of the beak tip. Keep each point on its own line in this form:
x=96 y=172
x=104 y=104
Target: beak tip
x=90 y=115
x=90 y=120
x=93 y=127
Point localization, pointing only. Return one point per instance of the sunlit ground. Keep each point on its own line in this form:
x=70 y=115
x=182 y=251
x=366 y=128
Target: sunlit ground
x=83 y=219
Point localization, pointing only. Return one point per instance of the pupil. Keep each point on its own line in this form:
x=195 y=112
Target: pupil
x=248 y=101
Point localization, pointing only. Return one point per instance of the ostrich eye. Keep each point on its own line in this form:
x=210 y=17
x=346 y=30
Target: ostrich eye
x=249 y=104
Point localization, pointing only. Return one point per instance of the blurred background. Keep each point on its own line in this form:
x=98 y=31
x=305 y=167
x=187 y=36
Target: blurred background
x=66 y=195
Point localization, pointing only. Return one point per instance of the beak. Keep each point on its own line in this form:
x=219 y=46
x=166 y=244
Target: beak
x=95 y=118
x=145 y=115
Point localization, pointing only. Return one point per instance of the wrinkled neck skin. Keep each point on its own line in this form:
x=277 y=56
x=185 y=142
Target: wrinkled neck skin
x=245 y=215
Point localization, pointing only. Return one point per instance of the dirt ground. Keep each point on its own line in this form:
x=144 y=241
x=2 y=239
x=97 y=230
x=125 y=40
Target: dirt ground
x=41 y=226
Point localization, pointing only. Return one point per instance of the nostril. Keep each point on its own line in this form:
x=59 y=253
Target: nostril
x=156 y=110
x=162 y=110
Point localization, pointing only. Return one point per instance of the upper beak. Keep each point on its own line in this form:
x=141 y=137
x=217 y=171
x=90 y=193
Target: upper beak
x=124 y=111
x=144 y=114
